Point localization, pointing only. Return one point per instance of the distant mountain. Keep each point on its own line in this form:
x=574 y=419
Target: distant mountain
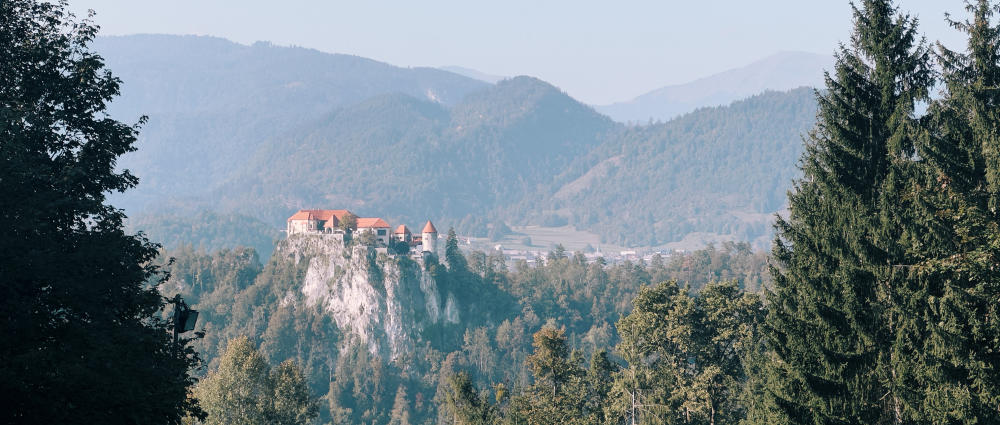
x=254 y=133
x=782 y=71
x=472 y=73
x=213 y=103
x=722 y=170
x=410 y=159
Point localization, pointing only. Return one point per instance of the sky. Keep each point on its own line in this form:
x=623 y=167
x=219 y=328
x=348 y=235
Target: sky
x=597 y=51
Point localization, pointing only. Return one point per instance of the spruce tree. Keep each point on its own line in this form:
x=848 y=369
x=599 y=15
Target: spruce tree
x=955 y=366
x=832 y=316
x=463 y=403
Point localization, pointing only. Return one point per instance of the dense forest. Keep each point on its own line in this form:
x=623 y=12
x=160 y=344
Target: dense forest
x=877 y=304
x=238 y=296
x=881 y=309
x=719 y=170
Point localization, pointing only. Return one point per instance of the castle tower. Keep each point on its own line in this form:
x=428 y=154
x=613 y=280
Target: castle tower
x=429 y=238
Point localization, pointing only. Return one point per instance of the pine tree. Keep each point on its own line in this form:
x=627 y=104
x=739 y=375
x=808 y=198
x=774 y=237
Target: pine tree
x=955 y=366
x=464 y=403
x=559 y=390
x=600 y=376
x=453 y=254
x=834 y=313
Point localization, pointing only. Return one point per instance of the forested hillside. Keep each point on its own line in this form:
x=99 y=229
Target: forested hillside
x=262 y=131
x=719 y=170
x=412 y=159
x=213 y=104
x=208 y=231
x=238 y=295
x=877 y=304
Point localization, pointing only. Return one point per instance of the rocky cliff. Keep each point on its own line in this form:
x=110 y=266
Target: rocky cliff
x=385 y=302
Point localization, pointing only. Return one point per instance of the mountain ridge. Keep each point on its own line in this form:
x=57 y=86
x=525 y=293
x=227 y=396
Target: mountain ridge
x=782 y=71
x=512 y=153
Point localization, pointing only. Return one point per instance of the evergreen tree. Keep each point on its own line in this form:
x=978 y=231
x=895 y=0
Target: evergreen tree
x=837 y=322
x=464 y=403
x=600 y=376
x=453 y=254
x=83 y=341
x=955 y=365
x=559 y=392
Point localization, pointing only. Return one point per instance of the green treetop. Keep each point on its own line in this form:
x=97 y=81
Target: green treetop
x=83 y=338
x=951 y=359
x=834 y=310
x=246 y=391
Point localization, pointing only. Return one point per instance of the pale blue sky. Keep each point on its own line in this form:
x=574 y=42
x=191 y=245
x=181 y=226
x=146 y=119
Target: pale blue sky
x=597 y=51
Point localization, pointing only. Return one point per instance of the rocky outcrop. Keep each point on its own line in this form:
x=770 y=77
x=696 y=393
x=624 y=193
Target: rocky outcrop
x=383 y=301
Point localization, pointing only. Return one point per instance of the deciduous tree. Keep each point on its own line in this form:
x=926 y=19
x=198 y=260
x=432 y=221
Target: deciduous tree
x=80 y=313
x=244 y=390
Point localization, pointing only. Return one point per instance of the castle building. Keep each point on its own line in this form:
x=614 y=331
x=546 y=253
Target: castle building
x=322 y=221
x=402 y=234
x=329 y=222
x=429 y=238
x=376 y=226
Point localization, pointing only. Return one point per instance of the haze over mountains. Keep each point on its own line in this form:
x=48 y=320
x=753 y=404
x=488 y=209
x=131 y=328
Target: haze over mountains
x=782 y=71
x=260 y=131
x=472 y=73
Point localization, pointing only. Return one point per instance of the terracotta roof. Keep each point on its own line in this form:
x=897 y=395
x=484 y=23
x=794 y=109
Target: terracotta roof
x=302 y=215
x=371 y=222
x=325 y=215
x=402 y=229
x=339 y=213
x=429 y=228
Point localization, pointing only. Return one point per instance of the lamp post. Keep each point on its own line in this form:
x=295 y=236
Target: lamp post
x=184 y=318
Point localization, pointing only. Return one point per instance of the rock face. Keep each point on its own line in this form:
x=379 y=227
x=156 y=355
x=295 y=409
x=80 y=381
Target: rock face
x=382 y=301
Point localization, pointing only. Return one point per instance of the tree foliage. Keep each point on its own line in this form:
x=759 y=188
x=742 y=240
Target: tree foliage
x=245 y=390
x=879 y=313
x=83 y=337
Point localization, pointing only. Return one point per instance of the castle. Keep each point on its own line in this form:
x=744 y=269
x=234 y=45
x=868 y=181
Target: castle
x=330 y=222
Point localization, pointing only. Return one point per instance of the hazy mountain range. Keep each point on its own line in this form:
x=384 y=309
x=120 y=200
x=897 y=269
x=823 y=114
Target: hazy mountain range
x=260 y=131
x=782 y=71
x=472 y=73
x=779 y=72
